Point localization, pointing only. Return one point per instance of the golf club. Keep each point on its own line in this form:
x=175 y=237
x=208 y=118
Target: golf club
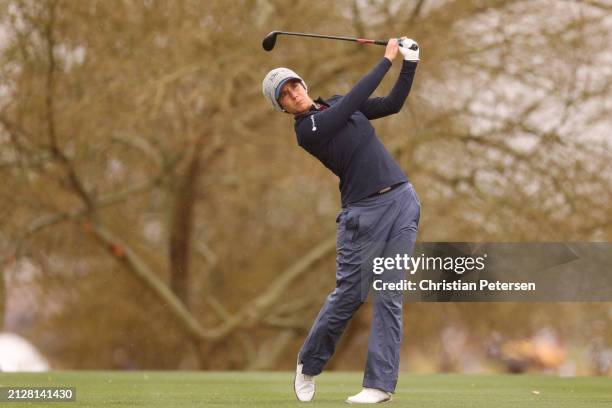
x=270 y=40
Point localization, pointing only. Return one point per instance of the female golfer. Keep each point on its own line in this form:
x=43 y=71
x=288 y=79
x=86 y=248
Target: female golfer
x=379 y=216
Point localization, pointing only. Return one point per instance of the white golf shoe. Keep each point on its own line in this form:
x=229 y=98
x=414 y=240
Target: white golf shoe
x=304 y=385
x=369 y=396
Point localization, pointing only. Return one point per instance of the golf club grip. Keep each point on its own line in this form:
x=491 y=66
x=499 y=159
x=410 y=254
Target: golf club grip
x=366 y=41
x=413 y=47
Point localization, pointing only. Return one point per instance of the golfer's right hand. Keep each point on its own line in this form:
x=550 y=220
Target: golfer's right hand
x=392 y=49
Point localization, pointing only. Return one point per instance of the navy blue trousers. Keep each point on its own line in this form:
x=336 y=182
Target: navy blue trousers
x=382 y=226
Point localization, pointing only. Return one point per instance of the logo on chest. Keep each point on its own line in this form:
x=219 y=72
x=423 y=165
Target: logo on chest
x=314 y=125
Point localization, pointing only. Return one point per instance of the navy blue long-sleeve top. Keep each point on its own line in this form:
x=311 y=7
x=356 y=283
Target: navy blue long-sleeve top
x=343 y=139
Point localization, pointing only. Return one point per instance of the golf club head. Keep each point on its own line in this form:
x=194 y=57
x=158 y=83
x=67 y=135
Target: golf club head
x=270 y=40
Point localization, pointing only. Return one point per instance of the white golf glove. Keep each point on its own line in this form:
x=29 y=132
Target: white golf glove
x=409 y=54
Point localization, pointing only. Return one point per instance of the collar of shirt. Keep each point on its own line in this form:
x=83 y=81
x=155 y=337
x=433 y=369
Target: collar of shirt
x=319 y=105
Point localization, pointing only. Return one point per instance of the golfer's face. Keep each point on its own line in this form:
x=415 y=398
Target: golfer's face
x=294 y=98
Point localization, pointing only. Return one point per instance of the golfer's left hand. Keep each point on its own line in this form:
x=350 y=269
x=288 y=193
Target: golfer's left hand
x=409 y=54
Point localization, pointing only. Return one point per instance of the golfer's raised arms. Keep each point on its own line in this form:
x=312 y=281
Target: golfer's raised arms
x=331 y=120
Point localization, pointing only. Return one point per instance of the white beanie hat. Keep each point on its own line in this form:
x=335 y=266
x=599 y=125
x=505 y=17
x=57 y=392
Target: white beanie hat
x=273 y=83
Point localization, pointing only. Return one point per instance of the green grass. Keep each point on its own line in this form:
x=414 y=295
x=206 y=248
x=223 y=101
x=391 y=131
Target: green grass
x=265 y=389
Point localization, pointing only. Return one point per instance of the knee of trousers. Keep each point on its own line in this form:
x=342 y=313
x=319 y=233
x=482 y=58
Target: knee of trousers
x=344 y=303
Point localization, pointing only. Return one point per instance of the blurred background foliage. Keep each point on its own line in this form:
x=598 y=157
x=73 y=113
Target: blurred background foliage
x=156 y=212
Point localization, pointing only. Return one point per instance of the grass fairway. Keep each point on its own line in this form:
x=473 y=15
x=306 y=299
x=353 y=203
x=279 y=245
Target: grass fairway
x=265 y=389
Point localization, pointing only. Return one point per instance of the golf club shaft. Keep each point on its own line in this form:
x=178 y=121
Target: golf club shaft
x=359 y=40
